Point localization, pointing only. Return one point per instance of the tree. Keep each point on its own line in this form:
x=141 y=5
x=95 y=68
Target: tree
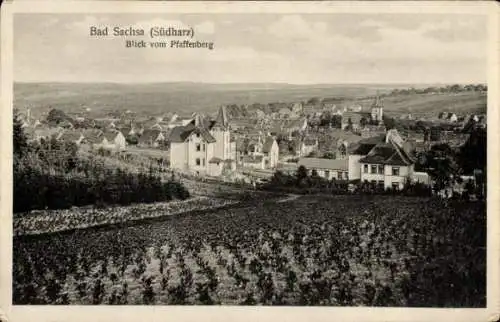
x=389 y=122
x=441 y=164
x=336 y=121
x=435 y=134
x=301 y=174
x=472 y=154
x=20 y=141
x=363 y=122
x=330 y=155
x=56 y=116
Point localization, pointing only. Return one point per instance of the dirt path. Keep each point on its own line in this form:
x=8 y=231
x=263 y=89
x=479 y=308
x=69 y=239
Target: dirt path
x=290 y=197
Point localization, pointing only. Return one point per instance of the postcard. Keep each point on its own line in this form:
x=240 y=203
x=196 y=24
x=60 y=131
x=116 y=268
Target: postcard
x=249 y=161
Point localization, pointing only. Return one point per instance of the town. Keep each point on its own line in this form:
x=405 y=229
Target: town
x=351 y=144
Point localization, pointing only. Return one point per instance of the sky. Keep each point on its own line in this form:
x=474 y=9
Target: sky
x=257 y=48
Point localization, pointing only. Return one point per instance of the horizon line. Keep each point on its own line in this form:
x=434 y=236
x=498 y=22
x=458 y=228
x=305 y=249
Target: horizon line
x=245 y=83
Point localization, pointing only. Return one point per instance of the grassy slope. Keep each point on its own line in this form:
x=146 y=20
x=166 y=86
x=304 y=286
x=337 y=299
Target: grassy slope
x=431 y=104
x=188 y=97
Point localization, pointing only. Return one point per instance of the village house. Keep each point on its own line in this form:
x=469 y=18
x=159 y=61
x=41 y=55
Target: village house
x=71 y=136
x=111 y=140
x=306 y=146
x=261 y=152
x=448 y=117
x=297 y=108
x=330 y=169
x=203 y=149
x=151 y=138
x=372 y=130
x=39 y=134
x=287 y=113
x=288 y=127
x=236 y=124
x=355 y=108
x=352 y=120
x=386 y=163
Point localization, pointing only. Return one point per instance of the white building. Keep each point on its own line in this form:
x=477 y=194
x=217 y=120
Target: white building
x=329 y=169
x=203 y=147
x=384 y=163
x=377 y=111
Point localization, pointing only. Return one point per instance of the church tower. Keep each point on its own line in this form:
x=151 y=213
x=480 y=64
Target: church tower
x=377 y=111
x=220 y=131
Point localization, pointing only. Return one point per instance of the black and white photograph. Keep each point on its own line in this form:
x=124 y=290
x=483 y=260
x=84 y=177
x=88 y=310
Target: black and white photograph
x=293 y=159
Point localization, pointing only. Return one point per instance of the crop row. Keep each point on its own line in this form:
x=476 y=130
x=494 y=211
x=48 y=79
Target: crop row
x=48 y=221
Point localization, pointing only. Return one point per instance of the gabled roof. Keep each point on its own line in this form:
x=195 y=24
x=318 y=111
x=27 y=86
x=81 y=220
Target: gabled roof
x=320 y=163
x=253 y=159
x=222 y=120
x=70 y=136
x=355 y=117
x=268 y=144
x=364 y=148
x=179 y=134
x=149 y=136
x=387 y=153
x=93 y=136
x=215 y=160
x=111 y=135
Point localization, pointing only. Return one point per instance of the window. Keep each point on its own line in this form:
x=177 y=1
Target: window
x=373 y=169
x=380 y=169
x=339 y=175
x=203 y=161
x=198 y=161
x=198 y=147
x=395 y=171
x=346 y=175
x=203 y=146
x=395 y=185
x=381 y=184
x=365 y=168
x=197 y=135
x=327 y=174
x=314 y=173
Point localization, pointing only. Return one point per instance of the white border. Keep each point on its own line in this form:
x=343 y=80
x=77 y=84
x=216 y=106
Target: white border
x=230 y=313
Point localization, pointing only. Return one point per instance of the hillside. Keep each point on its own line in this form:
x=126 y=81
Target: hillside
x=185 y=98
x=426 y=104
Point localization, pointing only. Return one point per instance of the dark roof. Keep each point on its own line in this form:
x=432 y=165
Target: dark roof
x=149 y=136
x=268 y=144
x=329 y=164
x=254 y=159
x=215 y=160
x=111 y=135
x=70 y=136
x=310 y=141
x=387 y=153
x=364 y=148
x=222 y=119
x=179 y=134
x=354 y=116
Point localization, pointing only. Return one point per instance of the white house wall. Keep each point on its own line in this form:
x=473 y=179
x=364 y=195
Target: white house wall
x=354 y=167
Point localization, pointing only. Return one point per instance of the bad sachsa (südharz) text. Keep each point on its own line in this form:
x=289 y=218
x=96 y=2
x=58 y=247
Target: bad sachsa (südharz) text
x=157 y=37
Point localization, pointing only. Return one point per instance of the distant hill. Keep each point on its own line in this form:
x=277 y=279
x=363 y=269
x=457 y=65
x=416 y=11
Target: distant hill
x=185 y=98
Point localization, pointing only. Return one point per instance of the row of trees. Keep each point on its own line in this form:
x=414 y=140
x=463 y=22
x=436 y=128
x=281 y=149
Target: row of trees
x=303 y=182
x=455 y=88
x=51 y=175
